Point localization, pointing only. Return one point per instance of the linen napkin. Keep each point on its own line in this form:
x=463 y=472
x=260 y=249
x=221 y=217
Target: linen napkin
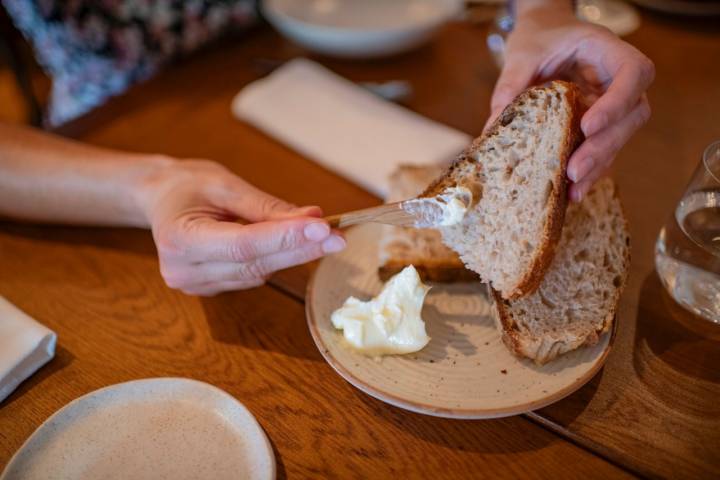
x=342 y=126
x=25 y=346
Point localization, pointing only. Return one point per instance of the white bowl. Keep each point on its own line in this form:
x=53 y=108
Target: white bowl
x=359 y=28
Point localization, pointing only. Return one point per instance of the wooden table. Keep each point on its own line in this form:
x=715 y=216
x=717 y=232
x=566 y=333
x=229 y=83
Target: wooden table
x=654 y=410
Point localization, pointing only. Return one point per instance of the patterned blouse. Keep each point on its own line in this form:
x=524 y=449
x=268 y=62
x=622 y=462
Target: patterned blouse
x=95 y=49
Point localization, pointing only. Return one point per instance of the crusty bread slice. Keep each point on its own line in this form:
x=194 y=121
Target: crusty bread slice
x=517 y=169
x=578 y=296
x=423 y=248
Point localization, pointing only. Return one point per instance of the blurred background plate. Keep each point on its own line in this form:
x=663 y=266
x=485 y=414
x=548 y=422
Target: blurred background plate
x=465 y=371
x=621 y=18
x=360 y=29
x=154 y=428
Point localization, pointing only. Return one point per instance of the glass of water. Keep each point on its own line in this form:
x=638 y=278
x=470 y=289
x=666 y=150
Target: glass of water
x=687 y=252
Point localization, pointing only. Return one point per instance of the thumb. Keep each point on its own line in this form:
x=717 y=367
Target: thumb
x=515 y=77
x=306 y=211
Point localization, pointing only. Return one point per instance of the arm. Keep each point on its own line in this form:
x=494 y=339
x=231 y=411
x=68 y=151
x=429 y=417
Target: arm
x=549 y=42
x=191 y=206
x=48 y=179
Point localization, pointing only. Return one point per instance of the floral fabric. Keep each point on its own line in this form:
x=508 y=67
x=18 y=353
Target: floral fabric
x=94 y=49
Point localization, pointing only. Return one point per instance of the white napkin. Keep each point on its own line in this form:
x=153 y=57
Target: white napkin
x=25 y=346
x=342 y=126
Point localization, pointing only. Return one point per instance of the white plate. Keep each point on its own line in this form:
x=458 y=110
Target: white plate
x=359 y=28
x=464 y=372
x=172 y=428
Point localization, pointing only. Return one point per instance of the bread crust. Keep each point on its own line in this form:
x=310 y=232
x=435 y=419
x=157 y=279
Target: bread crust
x=556 y=213
x=530 y=280
x=549 y=350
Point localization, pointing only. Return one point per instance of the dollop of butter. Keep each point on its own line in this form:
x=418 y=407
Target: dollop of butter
x=455 y=202
x=389 y=323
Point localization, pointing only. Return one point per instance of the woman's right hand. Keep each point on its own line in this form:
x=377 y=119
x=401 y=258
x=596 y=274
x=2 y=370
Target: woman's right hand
x=193 y=206
x=548 y=43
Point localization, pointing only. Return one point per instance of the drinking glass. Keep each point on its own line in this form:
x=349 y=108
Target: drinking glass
x=687 y=252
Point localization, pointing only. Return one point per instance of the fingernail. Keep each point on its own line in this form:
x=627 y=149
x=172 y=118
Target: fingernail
x=333 y=244
x=316 y=231
x=580 y=169
x=595 y=124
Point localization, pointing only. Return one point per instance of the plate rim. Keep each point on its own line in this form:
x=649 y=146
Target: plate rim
x=190 y=381
x=454 y=8
x=459 y=413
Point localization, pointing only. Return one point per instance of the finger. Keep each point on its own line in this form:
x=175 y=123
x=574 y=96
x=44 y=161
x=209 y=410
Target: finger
x=578 y=190
x=225 y=241
x=252 y=204
x=255 y=205
x=282 y=260
x=213 y=272
x=629 y=83
x=516 y=75
x=308 y=211
x=194 y=279
x=598 y=151
x=211 y=289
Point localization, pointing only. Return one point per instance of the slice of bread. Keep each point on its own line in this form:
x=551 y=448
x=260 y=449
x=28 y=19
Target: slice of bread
x=516 y=171
x=578 y=296
x=423 y=248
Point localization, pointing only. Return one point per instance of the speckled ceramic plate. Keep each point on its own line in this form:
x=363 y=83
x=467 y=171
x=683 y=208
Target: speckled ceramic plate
x=171 y=428
x=464 y=372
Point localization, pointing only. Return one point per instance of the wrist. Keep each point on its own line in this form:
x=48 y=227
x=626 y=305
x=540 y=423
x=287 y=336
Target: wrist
x=147 y=184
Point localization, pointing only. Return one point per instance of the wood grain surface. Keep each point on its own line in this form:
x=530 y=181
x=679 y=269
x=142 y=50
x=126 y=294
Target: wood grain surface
x=653 y=409
x=116 y=321
x=655 y=405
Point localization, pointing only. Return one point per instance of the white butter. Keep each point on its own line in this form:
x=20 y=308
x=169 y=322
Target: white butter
x=389 y=323
x=447 y=208
x=455 y=204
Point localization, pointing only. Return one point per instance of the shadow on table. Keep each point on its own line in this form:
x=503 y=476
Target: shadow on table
x=121 y=239
x=260 y=319
x=266 y=318
x=563 y=412
x=62 y=359
x=676 y=354
x=462 y=435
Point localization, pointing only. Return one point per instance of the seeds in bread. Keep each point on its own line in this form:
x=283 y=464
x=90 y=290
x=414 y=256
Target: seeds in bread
x=577 y=299
x=517 y=169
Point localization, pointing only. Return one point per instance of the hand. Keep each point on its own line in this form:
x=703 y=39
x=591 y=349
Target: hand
x=612 y=75
x=192 y=207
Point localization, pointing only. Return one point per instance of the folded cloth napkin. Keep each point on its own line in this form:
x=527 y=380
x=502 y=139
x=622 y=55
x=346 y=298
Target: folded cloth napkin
x=342 y=126
x=25 y=346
